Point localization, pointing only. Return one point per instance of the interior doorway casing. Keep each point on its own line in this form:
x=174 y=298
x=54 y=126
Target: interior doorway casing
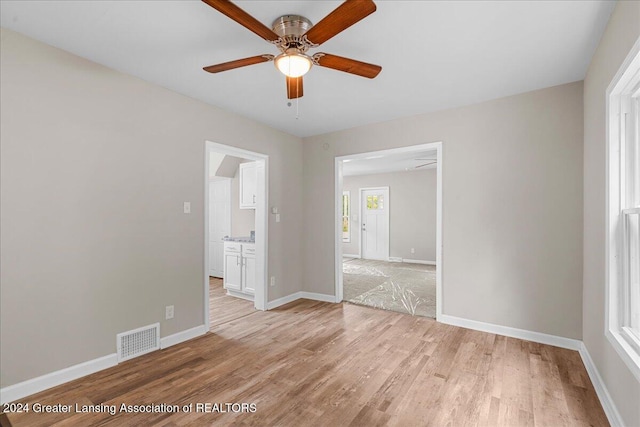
x=437 y=146
x=220 y=220
x=261 y=237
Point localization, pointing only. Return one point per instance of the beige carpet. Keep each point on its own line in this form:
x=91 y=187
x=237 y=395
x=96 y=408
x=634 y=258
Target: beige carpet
x=396 y=286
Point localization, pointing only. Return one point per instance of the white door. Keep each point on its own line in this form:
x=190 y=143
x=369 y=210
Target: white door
x=374 y=212
x=219 y=223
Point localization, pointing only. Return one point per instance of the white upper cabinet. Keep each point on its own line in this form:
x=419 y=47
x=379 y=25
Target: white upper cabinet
x=248 y=185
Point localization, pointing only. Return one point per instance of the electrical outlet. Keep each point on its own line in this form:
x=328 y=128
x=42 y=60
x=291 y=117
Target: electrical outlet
x=413 y=250
x=168 y=312
x=187 y=207
x=272 y=282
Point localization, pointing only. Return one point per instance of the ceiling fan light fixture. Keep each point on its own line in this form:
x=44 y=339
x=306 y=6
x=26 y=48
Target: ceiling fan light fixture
x=293 y=63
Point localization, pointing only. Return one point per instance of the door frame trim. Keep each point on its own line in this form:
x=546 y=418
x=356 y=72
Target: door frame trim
x=228 y=184
x=262 y=225
x=360 y=190
x=338 y=215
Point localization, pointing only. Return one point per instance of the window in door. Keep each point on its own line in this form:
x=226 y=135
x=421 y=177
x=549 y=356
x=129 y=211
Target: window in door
x=375 y=202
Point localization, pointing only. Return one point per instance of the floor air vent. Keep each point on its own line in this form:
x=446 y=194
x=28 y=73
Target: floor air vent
x=138 y=342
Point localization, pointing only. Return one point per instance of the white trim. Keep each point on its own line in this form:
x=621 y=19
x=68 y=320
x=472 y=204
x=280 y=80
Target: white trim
x=38 y=384
x=594 y=375
x=242 y=295
x=612 y=329
x=56 y=378
x=351 y=256
x=338 y=181
x=300 y=295
x=348 y=194
x=338 y=215
x=262 y=223
x=395 y=259
x=608 y=405
x=282 y=301
x=439 y=226
x=207 y=201
x=318 y=297
x=418 y=261
x=183 y=336
x=508 y=331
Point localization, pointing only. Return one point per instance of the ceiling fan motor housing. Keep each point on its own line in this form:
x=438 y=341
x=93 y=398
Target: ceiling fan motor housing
x=291 y=29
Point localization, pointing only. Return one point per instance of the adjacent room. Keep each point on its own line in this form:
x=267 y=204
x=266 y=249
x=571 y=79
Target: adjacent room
x=233 y=190
x=320 y=213
x=389 y=231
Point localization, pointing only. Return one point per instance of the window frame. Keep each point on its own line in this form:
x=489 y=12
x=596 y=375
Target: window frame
x=347 y=216
x=623 y=201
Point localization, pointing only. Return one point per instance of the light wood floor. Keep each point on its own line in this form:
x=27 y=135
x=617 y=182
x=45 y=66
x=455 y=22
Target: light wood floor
x=223 y=308
x=320 y=364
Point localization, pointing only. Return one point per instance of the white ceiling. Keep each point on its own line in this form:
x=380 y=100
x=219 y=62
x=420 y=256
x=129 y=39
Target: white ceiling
x=396 y=162
x=435 y=54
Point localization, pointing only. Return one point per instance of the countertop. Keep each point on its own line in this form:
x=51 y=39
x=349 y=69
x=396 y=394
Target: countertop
x=246 y=239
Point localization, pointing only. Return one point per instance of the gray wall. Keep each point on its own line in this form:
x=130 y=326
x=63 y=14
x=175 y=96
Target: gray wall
x=95 y=167
x=412 y=212
x=621 y=33
x=512 y=194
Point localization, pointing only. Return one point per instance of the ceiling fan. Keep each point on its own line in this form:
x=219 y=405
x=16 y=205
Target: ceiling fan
x=294 y=35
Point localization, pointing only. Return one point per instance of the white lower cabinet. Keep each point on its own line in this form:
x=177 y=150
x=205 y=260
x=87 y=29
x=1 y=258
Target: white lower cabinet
x=249 y=268
x=240 y=269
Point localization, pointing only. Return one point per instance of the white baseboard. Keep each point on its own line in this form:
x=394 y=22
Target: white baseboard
x=601 y=390
x=38 y=384
x=418 y=261
x=183 y=336
x=522 y=334
x=395 y=259
x=299 y=295
x=282 y=301
x=240 y=295
x=350 y=256
x=318 y=297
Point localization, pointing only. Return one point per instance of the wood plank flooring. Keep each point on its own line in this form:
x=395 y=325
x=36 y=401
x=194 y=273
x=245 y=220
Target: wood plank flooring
x=319 y=364
x=223 y=308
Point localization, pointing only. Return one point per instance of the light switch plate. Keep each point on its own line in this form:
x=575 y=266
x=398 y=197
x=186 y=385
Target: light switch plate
x=277 y=217
x=187 y=207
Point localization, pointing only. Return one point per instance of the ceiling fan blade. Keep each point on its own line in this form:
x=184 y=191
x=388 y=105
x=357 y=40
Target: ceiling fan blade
x=344 y=16
x=294 y=87
x=238 y=63
x=243 y=18
x=347 y=65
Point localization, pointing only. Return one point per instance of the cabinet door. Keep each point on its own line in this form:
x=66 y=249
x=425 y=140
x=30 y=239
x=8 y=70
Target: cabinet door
x=232 y=271
x=248 y=185
x=249 y=275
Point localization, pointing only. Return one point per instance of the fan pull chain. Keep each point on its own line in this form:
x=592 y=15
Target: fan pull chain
x=297 y=99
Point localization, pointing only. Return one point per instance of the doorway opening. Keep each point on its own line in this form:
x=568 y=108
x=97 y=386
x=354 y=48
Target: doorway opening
x=389 y=229
x=236 y=200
